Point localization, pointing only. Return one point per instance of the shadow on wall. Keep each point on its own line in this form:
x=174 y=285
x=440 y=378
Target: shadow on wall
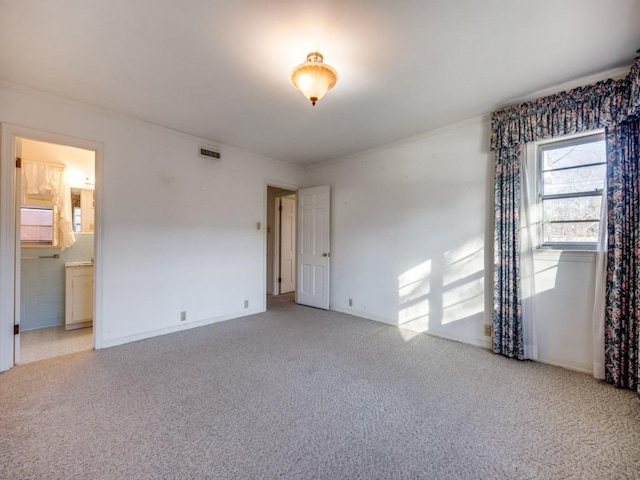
x=447 y=296
x=442 y=291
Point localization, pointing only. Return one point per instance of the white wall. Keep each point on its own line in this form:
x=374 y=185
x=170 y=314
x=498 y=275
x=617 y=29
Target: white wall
x=411 y=232
x=408 y=232
x=563 y=307
x=412 y=245
x=178 y=230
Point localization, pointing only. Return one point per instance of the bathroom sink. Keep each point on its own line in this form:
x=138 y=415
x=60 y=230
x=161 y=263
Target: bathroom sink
x=79 y=264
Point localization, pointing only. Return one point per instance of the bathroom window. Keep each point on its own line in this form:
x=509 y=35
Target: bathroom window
x=38 y=226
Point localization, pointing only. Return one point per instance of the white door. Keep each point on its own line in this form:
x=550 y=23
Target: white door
x=287 y=244
x=313 y=247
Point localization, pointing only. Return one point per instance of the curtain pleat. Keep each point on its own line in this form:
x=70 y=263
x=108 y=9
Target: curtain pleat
x=507 y=300
x=622 y=310
x=579 y=110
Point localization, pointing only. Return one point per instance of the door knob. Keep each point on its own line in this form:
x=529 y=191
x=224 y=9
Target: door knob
x=326 y=254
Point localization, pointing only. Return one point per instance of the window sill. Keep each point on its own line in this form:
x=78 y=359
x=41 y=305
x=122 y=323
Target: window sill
x=559 y=255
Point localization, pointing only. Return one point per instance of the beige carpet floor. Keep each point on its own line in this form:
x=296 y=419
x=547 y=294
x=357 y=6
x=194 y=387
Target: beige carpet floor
x=298 y=393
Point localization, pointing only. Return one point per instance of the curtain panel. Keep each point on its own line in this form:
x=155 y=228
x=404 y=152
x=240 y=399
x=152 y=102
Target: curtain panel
x=634 y=87
x=507 y=295
x=601 y=105
x=44 y=178
x=622 y=300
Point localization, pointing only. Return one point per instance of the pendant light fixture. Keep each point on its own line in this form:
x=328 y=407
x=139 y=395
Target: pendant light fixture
x=314 y=78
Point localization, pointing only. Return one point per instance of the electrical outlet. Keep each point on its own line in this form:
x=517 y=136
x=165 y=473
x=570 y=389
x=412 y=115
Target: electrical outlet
x=487 y=330
x=246 y=304
x=351 y=302
x=183 y=316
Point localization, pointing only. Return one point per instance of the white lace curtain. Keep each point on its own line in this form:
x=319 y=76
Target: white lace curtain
x=48 y=180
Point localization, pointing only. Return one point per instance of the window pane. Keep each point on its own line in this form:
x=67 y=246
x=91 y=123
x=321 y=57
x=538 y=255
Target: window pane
x=35 y=234
x=586 y=179
x=578 y=208
x=578 y=232
x=36 y=216
x=36 y=225
x=582 y=154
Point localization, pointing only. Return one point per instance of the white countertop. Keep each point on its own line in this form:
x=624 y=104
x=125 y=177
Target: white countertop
x=78 y=264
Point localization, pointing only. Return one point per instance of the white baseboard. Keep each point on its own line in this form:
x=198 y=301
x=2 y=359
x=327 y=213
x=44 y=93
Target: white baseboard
x=175 y=328
x=577 y=367
x=365 y=315
x=478 y=342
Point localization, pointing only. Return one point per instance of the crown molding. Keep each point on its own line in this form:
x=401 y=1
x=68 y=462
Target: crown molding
x=613 y=74
x=404 y=141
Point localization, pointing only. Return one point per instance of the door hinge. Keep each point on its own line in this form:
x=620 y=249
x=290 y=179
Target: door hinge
x=18 y=162
x=16 y=328
x=279 y=280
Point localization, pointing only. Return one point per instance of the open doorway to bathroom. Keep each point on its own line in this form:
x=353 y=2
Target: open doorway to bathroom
x=281 y=246
x=55 y=227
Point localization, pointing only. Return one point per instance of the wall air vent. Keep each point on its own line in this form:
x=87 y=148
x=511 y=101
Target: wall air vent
x=208 y=153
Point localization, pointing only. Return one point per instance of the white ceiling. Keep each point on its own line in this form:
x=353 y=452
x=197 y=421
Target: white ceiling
x=219 y=69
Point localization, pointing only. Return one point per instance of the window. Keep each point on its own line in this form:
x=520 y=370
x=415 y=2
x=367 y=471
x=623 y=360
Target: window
x=37 y=226
x=571 y=181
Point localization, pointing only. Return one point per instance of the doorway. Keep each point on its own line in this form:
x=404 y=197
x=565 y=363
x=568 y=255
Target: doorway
x=55 y=229
x=281 y=246
x=310 y=237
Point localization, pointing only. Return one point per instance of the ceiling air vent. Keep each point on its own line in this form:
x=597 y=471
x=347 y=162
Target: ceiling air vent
x=208 y=153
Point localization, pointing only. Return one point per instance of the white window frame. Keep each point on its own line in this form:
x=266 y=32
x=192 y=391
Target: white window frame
x=540 y=148
x=55 y=220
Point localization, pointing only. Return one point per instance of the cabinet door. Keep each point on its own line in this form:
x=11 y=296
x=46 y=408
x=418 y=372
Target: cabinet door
x=82 y=301
x=79 y=308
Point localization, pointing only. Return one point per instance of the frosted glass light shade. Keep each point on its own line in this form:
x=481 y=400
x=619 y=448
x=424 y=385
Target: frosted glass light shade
x=313 y=77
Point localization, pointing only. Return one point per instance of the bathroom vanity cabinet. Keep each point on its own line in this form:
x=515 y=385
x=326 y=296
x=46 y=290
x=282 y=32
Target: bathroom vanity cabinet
x=78 y=295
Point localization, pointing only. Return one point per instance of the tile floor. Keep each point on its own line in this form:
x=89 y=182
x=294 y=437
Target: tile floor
x=52 y=342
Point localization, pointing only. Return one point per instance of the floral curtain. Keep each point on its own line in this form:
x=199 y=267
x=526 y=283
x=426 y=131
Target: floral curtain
x=607 y=104
x=565 y=113
x=507 y=295
x=622 y=303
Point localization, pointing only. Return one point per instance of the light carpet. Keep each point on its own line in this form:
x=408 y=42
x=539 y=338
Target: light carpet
x=299 y=393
